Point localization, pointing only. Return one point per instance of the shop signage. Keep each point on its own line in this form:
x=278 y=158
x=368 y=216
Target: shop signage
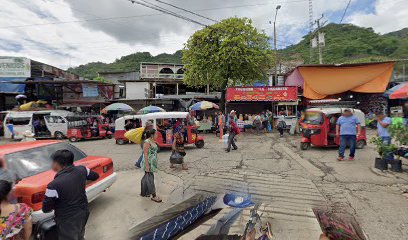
x=261 y=94
x=15 y=67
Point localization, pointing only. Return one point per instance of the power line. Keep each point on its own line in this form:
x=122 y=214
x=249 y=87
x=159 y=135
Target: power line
x=345 y=11
x=163 y=10
x=183 y=9
x=143 y=15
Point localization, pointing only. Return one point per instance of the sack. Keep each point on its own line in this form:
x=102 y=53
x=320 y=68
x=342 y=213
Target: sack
x=135 y=135
x=269 y=127
x=225 y=140
x=176 y=158
x=148 y=187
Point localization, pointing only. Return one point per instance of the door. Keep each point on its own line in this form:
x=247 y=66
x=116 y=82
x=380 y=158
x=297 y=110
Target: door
x=17 y=124
x=56 y=124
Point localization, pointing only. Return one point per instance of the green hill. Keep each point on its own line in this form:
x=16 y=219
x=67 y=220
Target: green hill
x=345 y=43
x=126 y=63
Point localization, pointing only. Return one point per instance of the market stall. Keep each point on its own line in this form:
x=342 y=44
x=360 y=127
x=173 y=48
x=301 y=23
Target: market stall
x=205 y=121
x=251 y=101
x=288 y=110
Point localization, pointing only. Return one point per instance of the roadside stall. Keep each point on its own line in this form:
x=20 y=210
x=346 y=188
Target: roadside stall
x=287 y=109
x=205 y=124
x=250 y=101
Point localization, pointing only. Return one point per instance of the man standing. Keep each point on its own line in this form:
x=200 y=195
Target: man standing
x=67 y=197
x=383 y=122
x=348 y=127
x=232 y=132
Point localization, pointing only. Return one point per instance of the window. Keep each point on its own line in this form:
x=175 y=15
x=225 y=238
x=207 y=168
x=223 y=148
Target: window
x=313 y=118
x=54 y=119
x=20 y=120
x=37 y=160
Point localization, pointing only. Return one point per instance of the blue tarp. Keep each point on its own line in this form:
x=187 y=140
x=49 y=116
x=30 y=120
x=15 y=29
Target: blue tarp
x=11 y=87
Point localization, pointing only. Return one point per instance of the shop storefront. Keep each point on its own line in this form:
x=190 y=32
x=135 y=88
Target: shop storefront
x=254 y=100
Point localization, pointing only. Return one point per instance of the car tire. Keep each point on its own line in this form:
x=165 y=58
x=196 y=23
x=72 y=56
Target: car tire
x=360 y=144
x=304 y=145
x=109 y=136
x=200 y=144
x=73 y=139
x=59 y=135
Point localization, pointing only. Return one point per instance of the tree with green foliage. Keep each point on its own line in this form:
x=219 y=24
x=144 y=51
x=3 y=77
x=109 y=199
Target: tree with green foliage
x=229 y=52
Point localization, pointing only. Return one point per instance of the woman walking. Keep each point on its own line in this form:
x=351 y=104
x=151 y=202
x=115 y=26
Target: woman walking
x=15 y=219
x=178 y=146
x=149 y=165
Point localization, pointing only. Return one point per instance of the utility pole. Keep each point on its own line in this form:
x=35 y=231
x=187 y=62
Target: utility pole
x=319 y=36
x=311 y=28
x=274 y=44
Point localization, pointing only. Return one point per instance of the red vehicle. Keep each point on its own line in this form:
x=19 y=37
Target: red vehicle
x=164 y=135
x=124 y=124
x=31 y=164
x=87 y=128
x=318 y=128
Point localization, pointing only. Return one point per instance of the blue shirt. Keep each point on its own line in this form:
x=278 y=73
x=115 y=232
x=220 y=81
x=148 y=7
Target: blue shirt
x=383 y=132
x=348 y=125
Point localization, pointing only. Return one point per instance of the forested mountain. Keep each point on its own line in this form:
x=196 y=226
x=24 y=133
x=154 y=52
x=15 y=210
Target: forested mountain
x=345 y=43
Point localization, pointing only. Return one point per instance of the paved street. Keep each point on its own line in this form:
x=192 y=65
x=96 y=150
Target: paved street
x=288 y=181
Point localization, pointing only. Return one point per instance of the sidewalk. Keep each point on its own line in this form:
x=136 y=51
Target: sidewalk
x=121 y=207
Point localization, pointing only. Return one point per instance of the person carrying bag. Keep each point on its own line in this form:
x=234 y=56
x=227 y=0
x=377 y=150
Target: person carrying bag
x=149 y=165
x=177 y=157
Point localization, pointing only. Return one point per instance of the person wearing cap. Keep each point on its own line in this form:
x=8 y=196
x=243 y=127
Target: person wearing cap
x=148 y=127
x=233 y=131
x=348 y=128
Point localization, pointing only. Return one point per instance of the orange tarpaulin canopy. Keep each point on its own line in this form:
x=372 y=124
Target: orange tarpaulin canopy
x=321 y=81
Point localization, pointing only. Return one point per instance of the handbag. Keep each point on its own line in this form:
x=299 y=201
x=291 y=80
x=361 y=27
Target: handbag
x=176 y=158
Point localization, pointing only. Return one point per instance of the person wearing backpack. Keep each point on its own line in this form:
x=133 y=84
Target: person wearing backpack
x=281 y=125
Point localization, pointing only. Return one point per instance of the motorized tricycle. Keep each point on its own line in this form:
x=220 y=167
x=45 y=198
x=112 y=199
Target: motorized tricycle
x=164 y=136
x=124 y=124
x=318 y=128
x=80 y=127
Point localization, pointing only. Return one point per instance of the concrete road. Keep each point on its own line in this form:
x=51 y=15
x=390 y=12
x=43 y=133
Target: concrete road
x=287 y=181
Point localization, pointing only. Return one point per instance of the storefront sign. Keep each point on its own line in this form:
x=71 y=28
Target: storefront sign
x=15 y=67
x=262 y=94
x=90 y=90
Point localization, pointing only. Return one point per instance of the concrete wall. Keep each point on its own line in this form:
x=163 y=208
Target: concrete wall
x=136 y=90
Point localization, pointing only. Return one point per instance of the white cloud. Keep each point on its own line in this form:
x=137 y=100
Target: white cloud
x=389 y=15
x=71 y=32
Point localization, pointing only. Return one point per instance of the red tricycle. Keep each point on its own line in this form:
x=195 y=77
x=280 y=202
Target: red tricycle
x=318 y=128
x=164 y=135
x=80 y=127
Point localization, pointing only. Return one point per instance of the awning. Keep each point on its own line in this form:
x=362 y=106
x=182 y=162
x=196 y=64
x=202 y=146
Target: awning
x=322 y=81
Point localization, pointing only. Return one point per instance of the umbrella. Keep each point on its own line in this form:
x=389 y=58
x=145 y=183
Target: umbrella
x=117 y=107
x=204 y=105
x=21 y=96
x=150 y=109
x=398 y=92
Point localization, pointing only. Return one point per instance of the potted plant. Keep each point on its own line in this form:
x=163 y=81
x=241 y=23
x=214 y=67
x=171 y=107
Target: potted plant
x=385 y=151
x=399 y=135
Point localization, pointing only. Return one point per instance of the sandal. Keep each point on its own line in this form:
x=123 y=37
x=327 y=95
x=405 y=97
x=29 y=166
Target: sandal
x=184 y=168
x=172 y=166
x=156 y=199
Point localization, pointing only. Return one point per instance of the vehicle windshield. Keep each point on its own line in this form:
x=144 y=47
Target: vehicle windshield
x=37 y=160
x=314 y=118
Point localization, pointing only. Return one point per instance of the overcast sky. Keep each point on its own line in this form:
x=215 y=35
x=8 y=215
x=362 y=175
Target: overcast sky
x=71 y=32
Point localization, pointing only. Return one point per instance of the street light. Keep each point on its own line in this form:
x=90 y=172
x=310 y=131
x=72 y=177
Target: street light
x=274 y=44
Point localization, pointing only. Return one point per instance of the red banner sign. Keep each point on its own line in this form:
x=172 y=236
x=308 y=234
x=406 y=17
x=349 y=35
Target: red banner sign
x=274 y=94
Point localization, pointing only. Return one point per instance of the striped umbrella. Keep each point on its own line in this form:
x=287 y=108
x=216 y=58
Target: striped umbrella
x=399 y=91
x=150 y=109
x=117 y=107
x=203 y=105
